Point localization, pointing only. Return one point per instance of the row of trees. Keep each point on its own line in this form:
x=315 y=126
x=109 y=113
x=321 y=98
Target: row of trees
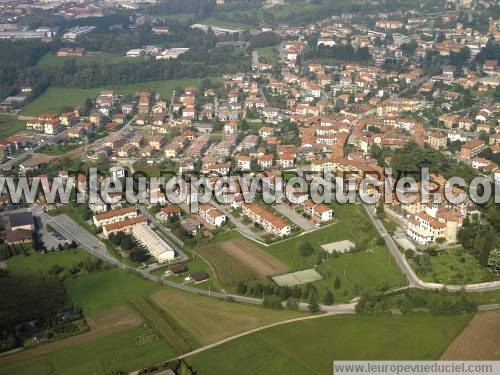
x=337 y=52
x=439 y=302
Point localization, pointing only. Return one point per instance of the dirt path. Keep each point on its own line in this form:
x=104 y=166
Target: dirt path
x=254 y=258
x=341 y=309
x=480 y=340
x=101 y=325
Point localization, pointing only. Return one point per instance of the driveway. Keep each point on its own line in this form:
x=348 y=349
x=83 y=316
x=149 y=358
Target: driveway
x=296 y=218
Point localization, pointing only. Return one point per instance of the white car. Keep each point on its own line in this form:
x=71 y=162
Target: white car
x=187 y=278
x=168 y=273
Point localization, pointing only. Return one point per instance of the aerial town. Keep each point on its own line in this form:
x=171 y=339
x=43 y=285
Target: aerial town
x=98 y=93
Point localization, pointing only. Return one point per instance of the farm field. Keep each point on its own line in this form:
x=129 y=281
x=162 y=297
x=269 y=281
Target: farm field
x=10 y=125
x=53 y=61
x=38 y=262
x=254 y=258
x=119 y=351
x=229 y=270
x=56 y=98
x=100 y=325
x=100 y=291
x=208 y=320
x=480 y=340
x=370 y=267
x=282 y=349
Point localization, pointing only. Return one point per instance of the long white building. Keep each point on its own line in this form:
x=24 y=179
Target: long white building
x=156 y=245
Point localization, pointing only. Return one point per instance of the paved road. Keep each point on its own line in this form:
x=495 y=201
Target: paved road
x=411 y=276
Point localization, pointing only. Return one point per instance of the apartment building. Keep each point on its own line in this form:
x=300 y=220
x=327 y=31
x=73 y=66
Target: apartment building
x=125 y=226
x=270 y=222
x=318 y=211
x=471 y=149
x=114 y=216
x=212 y=215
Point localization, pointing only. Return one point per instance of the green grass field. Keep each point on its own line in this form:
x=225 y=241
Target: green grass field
x=367 y=268
x=455 y=266
x=103 y=290
x=10 y=125
x=57 y=149
x=39 y=262
x=208 y=319
x=55 y=98
x=105 y=355
x=268 y=54
x=211 y=21
x=53 y=61
x=309 y=347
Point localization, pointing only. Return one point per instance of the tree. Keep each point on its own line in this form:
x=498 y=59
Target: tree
x=138 y=254
x=312 y=301
x=494 y=261
x=272 y=302
x=337 y=283
x=126 y=243
x=305 y=249
x=328 y=298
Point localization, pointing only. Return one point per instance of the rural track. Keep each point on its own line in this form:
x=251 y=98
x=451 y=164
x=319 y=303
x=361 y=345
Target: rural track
x=340 y=310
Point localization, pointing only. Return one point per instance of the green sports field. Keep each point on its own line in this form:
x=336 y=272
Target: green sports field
x=309 y=347
x=53 y=61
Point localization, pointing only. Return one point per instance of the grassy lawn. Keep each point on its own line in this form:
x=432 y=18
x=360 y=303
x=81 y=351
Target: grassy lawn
x=105 y=355
x=58 y=149
x=226 y=24
x=367 y=268
x=486 y=298
x=53 y=61
x=10 y=125
x=103 y=290
x=39 y=262
x=455 y=266
x=268 y=54
x=208 y=319
x=309 y=347
x=56 y=98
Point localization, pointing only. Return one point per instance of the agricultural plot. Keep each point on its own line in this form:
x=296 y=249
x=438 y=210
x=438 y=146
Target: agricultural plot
x=229 y=270
x=126 y=351
x=163 y=325
x=10 y=125
x=309 y=347
x=100 y=291
x=208 y=320
x=480 y=340
x=297 y=278
x=101 y=325
x=253 y=257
